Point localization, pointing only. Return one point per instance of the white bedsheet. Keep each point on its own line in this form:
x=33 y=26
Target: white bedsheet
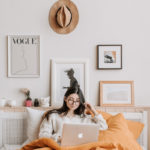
x=11 y=147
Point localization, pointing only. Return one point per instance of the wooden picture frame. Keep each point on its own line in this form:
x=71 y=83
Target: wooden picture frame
x=109 y=57
x=116 y=93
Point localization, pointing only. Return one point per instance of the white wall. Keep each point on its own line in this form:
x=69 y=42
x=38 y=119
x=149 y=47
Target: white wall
x=123 y=22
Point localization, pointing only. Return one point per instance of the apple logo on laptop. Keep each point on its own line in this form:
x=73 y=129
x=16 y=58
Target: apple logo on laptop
x=80 y=135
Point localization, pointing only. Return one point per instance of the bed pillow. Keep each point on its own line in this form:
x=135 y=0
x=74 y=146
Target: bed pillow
x=134 y=126
x=34 y=118
x=118 y=134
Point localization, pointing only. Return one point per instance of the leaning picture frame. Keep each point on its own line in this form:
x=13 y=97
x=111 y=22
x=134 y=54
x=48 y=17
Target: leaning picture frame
x=109 y=57
x=116 y=93
x=23 y=56
x=61 y=72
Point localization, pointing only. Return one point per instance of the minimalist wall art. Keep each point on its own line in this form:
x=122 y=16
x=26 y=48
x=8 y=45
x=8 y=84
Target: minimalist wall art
x=116 y=93
x=66 y=73
x=23 y=56
x=109 y=56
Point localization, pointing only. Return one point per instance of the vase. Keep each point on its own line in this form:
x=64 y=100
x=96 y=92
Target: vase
x=28 y=103
x=36 y=103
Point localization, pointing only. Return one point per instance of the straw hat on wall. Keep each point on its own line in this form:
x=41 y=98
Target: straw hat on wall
x=63 y=16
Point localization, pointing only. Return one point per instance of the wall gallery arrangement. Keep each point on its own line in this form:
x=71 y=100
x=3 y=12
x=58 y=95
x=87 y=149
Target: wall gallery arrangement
x=65 y=73
x=109 y=57
x=23 y=56
x=116 y=93
x=24 y=61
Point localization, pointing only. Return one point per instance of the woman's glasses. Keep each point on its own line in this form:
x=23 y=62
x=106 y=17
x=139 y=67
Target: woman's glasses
x=71 y=101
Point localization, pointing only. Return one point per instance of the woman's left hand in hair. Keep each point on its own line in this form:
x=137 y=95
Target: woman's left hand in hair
x=91 y=108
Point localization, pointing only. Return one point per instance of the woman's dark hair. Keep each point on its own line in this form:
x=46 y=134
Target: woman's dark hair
x=64 y=109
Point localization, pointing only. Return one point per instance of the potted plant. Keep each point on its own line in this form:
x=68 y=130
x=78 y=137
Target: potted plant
x=28 y=101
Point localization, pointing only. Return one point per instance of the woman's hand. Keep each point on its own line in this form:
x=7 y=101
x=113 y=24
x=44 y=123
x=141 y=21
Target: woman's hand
x=59 y=139
x=90 y=107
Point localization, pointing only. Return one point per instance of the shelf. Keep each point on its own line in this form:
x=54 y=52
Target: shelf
x=23 y=109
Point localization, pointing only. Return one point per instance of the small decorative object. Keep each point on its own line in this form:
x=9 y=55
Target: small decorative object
x=116 y=93
x=109 y=57
x=36 y=103
x=23 y=56
x=44 y=101
x=2 y=102
x=63 y=16
x=28 y=102
x=11 y=103
x=65 y=73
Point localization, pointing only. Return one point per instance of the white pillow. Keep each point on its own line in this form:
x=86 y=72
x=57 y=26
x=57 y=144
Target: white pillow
x=34 y=118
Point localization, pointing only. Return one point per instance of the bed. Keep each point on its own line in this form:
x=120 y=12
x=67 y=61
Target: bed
x=13 y=125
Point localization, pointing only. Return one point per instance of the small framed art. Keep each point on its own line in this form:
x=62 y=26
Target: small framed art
x=116 y=93
x=23 y=56
x=67 y=73
x=109 y=57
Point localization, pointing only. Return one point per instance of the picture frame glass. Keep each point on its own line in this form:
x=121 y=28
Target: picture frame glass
x=116 y=93
x=23 y=56
x=65 y=74
x=64 y=81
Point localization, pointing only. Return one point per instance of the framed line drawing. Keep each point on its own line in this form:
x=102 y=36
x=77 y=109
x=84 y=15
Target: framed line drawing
x=116 y=93
x=65 y=73
x=23 y=56
x=109 y=57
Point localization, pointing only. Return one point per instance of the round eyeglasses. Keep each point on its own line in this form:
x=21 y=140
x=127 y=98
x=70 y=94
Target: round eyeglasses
x=73 y=102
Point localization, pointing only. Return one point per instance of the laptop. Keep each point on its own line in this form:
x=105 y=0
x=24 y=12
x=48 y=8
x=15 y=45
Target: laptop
x=76 y=134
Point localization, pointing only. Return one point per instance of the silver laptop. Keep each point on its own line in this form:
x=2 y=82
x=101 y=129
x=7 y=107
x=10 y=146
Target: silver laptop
x=76 y=134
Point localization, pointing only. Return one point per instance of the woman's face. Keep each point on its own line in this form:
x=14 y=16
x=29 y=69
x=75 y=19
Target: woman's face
x=72 y=101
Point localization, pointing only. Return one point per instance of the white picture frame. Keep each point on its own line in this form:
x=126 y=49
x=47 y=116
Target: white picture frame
x=117 y=93
x=23 y=56
x=59 y=78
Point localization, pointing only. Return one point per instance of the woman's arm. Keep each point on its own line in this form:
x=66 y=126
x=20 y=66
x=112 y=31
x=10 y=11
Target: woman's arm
x=98 y=118
x=46 y=130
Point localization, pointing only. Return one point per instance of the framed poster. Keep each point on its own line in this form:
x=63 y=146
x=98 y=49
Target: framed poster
x=23 y=56
x=116 y=93
x=65 y=73
x=109 y=57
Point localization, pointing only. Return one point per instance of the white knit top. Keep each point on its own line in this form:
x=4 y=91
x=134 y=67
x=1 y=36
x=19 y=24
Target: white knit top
x=52 y=128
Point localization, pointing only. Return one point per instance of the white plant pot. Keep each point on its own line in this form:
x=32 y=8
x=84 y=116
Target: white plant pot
x=11 y=103
x=2 y=102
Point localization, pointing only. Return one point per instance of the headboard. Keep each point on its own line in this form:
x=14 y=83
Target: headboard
x=14 y=119
x=12 y=128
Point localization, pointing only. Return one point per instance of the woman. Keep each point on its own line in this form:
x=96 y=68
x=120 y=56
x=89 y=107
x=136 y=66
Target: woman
x=72 y=111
